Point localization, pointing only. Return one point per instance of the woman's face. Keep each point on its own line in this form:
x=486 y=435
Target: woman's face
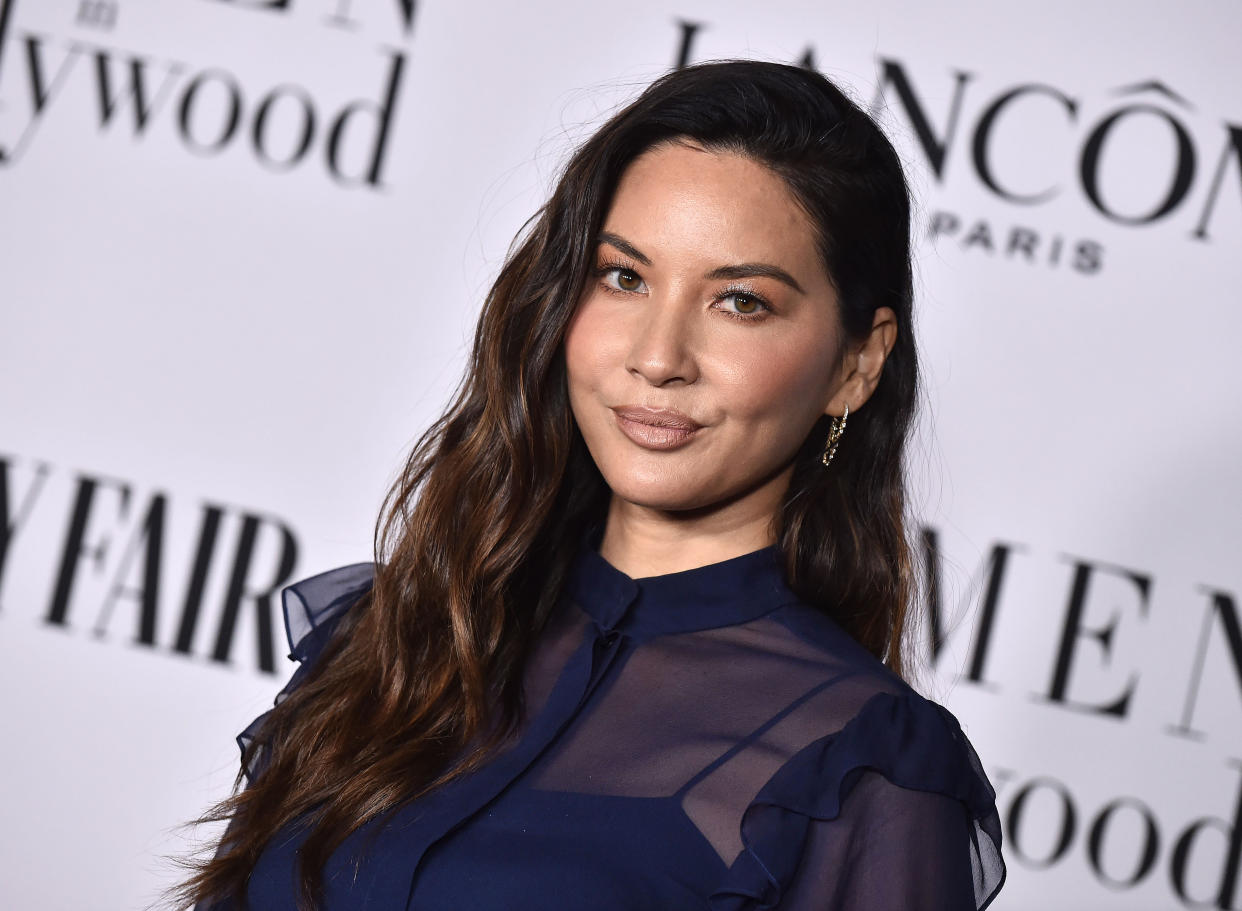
x=707 y=343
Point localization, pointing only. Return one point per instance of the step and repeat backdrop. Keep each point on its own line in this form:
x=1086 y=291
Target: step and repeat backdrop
x=242 y=247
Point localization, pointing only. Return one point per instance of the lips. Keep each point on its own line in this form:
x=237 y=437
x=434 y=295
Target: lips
x=655 y=428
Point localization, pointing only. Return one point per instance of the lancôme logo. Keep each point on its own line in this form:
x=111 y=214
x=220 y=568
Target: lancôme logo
x=1023 y=169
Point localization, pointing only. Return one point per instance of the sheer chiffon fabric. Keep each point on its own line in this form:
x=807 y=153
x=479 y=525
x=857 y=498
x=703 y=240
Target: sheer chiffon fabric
x=697 y=740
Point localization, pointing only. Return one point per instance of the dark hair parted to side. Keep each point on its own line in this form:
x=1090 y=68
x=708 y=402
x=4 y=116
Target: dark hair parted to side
x=476 y=538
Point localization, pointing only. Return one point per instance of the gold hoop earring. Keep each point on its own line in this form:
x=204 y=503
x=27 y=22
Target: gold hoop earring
x=835 y=429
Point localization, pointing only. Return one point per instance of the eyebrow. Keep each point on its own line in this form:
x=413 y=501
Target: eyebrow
x=616 y=240
x=762 y=270
x=740 y=270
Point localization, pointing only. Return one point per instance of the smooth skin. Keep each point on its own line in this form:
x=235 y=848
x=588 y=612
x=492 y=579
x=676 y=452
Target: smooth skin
x=710 y=299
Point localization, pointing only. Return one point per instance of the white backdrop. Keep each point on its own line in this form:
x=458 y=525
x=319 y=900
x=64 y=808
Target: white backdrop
x=242 y=247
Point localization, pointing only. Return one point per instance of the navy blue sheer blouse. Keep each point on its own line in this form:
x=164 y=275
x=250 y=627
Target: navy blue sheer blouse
x=697 y=740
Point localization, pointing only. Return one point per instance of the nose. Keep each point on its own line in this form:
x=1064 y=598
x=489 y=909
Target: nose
x=662 y=346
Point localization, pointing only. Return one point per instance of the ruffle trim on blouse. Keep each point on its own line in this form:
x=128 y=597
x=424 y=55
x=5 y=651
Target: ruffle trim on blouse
x=312 y=608
x=913 y=743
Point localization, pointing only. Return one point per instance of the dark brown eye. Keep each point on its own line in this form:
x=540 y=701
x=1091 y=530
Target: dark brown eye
x=740 y=305
x=627 y=280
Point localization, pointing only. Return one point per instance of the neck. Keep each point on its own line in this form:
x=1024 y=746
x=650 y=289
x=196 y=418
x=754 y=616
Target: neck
x=644 y=541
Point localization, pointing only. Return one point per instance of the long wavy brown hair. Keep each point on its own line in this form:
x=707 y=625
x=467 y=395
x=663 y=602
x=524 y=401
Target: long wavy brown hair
x=422 y=681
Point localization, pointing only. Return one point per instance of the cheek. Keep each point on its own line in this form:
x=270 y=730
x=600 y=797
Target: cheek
x=594 y=339
x=590 y=347
x=786 y=382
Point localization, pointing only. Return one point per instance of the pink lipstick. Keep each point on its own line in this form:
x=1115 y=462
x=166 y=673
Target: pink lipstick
x=655 y=428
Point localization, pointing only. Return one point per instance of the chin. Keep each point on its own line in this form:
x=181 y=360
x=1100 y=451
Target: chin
x=666 y=493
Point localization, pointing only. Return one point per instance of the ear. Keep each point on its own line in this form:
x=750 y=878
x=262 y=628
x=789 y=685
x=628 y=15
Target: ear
x=863 y=362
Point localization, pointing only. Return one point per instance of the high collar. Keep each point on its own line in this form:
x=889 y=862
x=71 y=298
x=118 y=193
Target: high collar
x=719 y=594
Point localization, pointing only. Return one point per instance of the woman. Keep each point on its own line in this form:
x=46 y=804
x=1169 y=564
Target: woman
x=625 y=643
